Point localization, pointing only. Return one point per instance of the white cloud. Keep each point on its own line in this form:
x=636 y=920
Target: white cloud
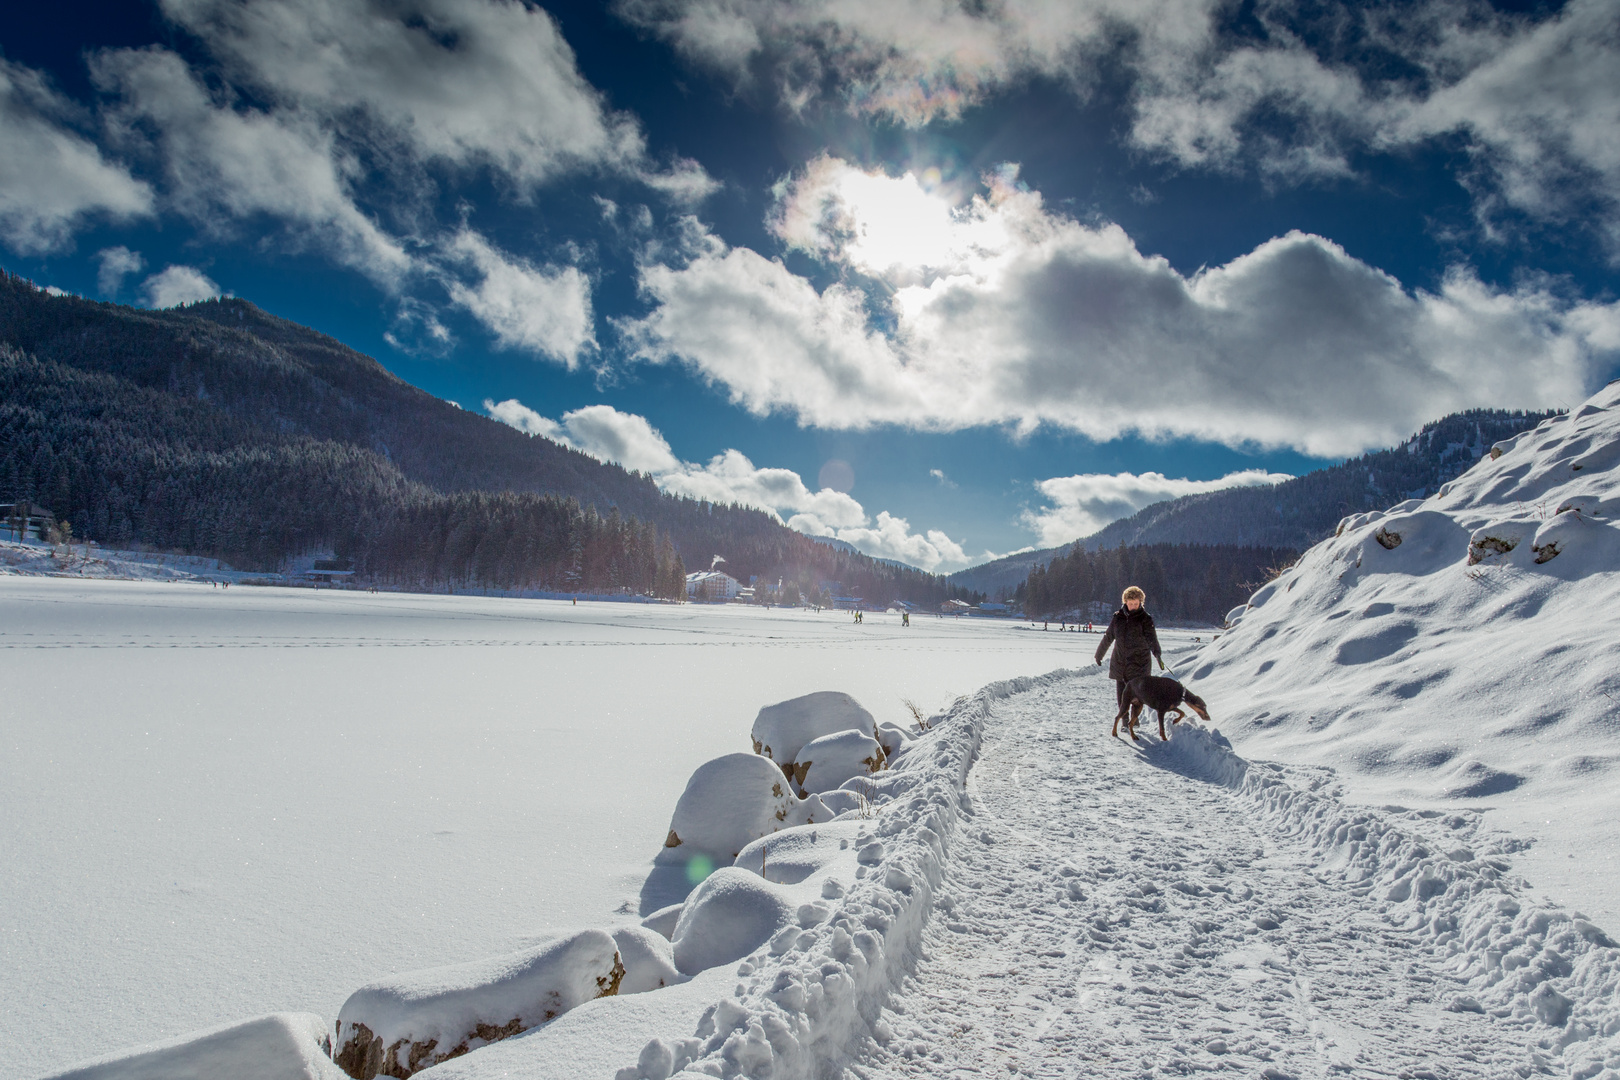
x=1080 y=505
x=1023 y=317
x=116 y=264
x=944 y=481
x=466 y=82
x=225 y=164
x=629 y=440
x=176 y=285
x=1297 y=93
x=52 y=178
x=546 y=310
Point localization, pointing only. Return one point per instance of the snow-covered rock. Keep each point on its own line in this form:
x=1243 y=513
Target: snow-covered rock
x=282 y=1046
x=406 y=1023
x=728 y=803
x=728 y=916
x=647 y=958
x=781 y=730
x=893 y=738
x=831 y=760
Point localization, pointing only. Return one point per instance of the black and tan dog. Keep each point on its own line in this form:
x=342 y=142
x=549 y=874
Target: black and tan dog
x=1162 y=696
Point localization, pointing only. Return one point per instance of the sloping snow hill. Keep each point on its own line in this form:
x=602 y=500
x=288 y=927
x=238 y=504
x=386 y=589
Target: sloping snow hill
x=1461 y=649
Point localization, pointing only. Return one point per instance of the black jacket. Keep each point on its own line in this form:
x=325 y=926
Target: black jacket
x=1136 y=644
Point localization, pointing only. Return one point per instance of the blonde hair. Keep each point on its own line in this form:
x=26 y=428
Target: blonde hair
x=1132 y=593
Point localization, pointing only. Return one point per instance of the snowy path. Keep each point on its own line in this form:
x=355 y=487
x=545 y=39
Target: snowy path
x=1104 y=915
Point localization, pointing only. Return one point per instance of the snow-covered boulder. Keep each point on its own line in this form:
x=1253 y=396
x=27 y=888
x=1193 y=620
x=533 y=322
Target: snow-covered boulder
x=647 y=958
x=781 y=730
x=728 y=916
x=894 y=738
x=282 y=1046
x=406 y=1023
x=831 y=760
x=790 y=856
x=728 y=803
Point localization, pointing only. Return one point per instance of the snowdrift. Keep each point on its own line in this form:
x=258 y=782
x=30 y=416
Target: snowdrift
x=282 y=1046
x=1465 y=646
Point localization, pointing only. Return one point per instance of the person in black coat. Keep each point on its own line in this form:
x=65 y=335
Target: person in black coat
x=1135 y=642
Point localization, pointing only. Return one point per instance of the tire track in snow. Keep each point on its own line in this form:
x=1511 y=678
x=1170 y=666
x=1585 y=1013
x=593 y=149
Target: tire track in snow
x=1103 y=915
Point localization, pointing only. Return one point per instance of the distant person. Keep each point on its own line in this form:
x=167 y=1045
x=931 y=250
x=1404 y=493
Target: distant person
x=1135 y=642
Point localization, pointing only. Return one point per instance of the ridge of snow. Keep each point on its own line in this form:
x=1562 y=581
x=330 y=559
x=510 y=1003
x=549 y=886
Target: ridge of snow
x=281 y=1046
x=1465 y=646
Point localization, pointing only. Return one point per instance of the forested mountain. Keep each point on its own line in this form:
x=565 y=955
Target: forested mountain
x=217 y=429
x=1294 y=514
x=1195 y=582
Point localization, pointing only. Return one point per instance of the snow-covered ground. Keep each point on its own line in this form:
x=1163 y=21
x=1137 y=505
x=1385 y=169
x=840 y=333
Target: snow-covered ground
x=1460 y=651
x=216 y=805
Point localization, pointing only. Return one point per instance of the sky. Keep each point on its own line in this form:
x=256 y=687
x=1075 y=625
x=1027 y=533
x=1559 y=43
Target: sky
x=945 y=280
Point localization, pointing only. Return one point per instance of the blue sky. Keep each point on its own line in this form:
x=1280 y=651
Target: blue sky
x=944 y=280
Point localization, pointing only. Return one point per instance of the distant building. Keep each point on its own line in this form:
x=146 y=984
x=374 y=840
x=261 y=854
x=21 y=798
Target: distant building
x=25 y=521
x=711 y=586
x=956 y=607
x=993 y=609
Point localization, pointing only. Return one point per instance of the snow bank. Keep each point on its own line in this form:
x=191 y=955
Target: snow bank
x=781 y=730
x=409 y=1022
x=1465 y=646
x=282 y=1046
x=1444 y=880
x=863 y=887
x=729 y=915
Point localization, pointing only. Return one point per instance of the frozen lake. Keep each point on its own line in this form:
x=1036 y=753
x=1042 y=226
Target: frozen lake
x=215 y=804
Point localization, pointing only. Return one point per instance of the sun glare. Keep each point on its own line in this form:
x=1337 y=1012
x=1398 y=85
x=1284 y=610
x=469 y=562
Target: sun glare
x=895 y=222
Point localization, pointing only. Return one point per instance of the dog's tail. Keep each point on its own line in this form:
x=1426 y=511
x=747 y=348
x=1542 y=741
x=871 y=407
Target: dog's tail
x=1196 y=704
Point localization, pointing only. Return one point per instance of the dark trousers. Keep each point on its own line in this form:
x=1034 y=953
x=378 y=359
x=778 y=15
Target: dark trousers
x=1119 y=695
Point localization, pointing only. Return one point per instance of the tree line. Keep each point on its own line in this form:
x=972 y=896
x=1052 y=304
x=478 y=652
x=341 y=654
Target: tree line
x=1190 y=582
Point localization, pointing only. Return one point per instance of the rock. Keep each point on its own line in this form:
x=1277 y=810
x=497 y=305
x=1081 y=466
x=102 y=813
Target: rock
x=403 y=1024
x=647 y=957
x=832 y=759
x=780 y=730
x=728 y=803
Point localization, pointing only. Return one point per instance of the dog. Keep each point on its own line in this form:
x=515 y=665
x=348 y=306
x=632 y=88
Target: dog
x=1162 y=696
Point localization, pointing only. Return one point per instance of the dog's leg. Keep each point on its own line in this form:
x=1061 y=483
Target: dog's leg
x=1177 y=716
x=1163 y=737
x=1136 y=718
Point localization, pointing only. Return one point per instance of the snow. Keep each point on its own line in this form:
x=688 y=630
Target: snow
x=220 y=804
x=282 y=1046
x=647 y=958
x=727 y=917
x=1460 y=650
x=409 y=1022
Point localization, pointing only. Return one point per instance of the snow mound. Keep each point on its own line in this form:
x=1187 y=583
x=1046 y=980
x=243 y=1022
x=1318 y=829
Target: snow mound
x=409 y=1022
x=728 y=803
x=282 y=1046
x=647 y=958
x=728 y=916
x=663 y=921
x=1462 y=646
x=781 y=730
x=828 y=762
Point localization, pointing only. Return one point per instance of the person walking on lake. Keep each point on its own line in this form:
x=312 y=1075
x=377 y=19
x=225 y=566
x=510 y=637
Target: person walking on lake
x=1135 y=642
